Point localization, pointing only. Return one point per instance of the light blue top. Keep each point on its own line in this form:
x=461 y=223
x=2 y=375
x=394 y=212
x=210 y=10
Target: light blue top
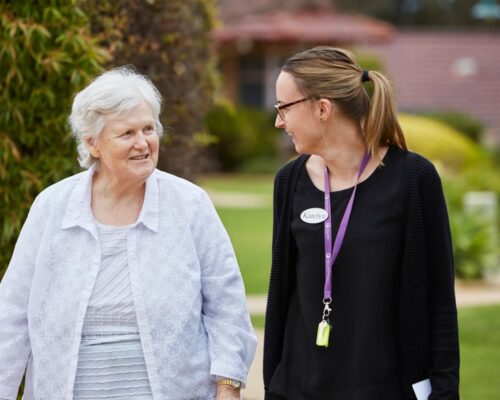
x=186 y=285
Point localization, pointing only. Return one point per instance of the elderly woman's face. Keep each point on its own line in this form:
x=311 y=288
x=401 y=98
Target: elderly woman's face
x=128 y=145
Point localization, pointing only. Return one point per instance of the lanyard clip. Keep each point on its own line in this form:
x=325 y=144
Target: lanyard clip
x=324 y=327
x=327 y=309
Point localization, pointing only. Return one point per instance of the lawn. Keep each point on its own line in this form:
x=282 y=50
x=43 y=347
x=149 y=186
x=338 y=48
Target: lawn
x=245 y=183
x=480 y=352
x=250 y=229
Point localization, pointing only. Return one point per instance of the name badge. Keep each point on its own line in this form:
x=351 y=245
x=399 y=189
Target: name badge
x=313 y=215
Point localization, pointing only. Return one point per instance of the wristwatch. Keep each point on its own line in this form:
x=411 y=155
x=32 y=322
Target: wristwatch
x=230 y=382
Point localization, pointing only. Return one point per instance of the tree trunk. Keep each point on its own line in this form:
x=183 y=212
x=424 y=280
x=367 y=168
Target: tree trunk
x=170 y=41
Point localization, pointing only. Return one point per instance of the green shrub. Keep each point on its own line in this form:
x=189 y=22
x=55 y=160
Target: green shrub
x=440 y=142
x=261 y=165
x=495 y=155
x=242 y=134
x=464 y=123
x=46 y=56
x=472 y=246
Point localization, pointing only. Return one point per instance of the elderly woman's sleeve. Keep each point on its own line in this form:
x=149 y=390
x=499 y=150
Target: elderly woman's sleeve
x=14 y=296
x=232 y=341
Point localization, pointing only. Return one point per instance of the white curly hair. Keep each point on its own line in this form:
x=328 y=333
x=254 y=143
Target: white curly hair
x=113 y=93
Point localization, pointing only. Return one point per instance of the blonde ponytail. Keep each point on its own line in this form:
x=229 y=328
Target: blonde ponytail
x=381 y=125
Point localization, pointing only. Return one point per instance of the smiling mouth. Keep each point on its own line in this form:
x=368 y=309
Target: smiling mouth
x=138 y=158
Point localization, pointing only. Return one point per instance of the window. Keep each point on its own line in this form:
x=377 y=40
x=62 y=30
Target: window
x=252 y=74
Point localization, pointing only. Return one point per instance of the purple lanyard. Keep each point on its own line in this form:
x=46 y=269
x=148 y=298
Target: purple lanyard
x=339 y=238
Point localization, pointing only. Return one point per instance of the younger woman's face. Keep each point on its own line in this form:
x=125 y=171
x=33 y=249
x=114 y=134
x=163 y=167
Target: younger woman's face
x=299 y=119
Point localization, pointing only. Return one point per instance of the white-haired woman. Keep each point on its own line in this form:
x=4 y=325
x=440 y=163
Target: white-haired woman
x=123 y=283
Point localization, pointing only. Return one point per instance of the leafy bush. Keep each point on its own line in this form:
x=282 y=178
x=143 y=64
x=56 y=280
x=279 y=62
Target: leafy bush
x=46 y=55
x=464 y=123
x=440 y=142
x=261 y=165
x=242 y=136
x=472 y=249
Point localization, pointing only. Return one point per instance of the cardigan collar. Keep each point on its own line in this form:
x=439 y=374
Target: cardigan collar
x=79 y=211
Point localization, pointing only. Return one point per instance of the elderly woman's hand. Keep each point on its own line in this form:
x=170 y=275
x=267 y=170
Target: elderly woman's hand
x=225 y=392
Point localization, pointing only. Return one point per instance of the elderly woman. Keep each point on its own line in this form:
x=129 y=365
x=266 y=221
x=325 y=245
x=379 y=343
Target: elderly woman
x=123 y=283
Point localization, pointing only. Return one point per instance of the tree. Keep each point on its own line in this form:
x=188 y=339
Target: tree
x=46 y=56
x=170 y=41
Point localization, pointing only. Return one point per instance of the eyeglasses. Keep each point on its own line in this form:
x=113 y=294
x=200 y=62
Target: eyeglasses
x=280 y=107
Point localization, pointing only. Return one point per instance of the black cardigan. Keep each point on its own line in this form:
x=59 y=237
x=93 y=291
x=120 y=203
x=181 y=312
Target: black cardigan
x=428 y=330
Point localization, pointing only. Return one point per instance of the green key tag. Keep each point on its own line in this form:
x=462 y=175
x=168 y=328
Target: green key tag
x=323 y=335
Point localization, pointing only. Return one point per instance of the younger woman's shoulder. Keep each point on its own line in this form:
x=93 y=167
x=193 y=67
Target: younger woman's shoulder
x=420 y=166
x=421 y=175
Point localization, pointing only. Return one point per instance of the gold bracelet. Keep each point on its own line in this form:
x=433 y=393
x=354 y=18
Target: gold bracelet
x=232 y=383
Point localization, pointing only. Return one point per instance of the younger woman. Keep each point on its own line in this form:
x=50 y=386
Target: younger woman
x=361 y=301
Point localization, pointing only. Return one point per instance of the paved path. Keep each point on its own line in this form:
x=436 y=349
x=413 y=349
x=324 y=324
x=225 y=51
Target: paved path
x=255 y=387
x=467 y=295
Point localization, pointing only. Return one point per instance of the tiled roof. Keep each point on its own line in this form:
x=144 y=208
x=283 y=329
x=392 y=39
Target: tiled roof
x=445 y=71
x=303 y=26
x=296 y=21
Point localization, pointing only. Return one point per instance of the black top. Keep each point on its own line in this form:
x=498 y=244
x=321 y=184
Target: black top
x=361 y=362
x=422 y=309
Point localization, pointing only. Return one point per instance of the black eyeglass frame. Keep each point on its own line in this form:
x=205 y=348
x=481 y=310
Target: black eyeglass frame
x=279 y=107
